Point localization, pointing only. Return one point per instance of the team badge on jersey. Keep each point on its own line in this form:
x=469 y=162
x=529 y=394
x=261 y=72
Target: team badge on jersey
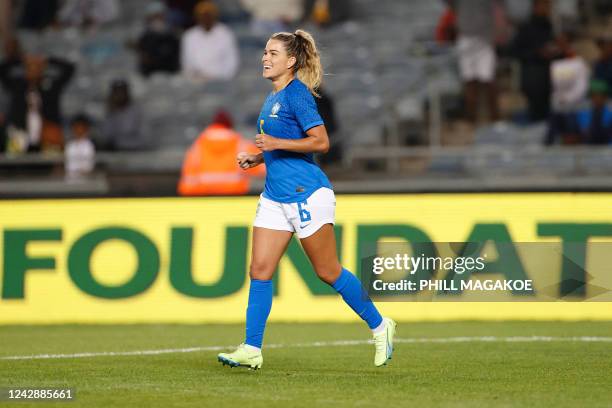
x=275 y=108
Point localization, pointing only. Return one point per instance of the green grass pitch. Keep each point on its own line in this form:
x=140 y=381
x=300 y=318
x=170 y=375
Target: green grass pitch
x=431 y=367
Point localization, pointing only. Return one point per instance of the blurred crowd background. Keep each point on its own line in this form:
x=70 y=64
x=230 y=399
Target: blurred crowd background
x=103 y=98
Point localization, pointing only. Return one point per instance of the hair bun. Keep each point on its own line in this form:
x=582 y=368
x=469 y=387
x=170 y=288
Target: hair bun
x=298 y=34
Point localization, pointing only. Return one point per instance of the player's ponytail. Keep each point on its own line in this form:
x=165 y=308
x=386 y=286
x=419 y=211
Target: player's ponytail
x=308 y=66
x=310 y=70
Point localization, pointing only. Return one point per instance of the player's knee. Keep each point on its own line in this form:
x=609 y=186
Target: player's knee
x=261 y=270
x=328 y=274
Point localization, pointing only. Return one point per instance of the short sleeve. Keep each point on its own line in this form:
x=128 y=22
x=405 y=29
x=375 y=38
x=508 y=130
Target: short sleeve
x=305 y=108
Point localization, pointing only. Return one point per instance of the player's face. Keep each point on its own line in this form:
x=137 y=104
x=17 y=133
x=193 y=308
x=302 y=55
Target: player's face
x=275 y=60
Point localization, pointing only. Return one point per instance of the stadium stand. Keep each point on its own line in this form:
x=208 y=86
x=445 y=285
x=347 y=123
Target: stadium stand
x=397 y=95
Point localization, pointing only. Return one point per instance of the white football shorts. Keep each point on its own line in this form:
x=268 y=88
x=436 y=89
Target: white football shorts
x=304 y=218
x=477 y=59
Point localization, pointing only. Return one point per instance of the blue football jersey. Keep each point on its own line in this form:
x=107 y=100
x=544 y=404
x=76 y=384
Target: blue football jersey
x=291 y=177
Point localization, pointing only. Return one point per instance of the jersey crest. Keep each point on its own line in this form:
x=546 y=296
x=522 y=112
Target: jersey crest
x=275 y=108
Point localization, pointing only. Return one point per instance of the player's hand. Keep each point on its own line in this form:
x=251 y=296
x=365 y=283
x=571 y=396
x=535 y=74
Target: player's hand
x=246 y=160
x=265 y=143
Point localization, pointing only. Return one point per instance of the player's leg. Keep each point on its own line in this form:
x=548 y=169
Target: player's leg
x=315 y=218
x=272 y=232
x=321 y=250
x=320 y=247
x=268 y=248
x=271 y=235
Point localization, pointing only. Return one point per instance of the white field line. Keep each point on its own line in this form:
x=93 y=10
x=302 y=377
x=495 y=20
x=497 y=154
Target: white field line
x=490 y=339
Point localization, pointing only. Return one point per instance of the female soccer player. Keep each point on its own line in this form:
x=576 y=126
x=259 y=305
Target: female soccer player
x=297 y=196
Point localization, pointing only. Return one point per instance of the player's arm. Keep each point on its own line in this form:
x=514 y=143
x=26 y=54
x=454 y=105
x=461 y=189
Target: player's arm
x=249 y=160
x=316 y=141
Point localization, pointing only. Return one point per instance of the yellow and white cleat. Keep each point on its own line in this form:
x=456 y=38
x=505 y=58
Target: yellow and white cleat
x=384 y=343
x=242 y=357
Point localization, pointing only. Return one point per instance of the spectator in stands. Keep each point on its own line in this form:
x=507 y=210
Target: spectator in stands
x=326 y=13
x=595 y=123
x=89 y=13
x=477 y=59
x=122 y=128
x=602 y=69
x=80 y=152
x=38 y=15
x=535 y=47
x=158 y=46
x=271 y=16
x=570 y=82
x=35 y=84
x=209 y=50
x=210 y=166
x=446 y=30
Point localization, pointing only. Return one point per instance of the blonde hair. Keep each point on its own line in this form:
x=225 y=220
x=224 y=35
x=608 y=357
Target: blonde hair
x=308 y=68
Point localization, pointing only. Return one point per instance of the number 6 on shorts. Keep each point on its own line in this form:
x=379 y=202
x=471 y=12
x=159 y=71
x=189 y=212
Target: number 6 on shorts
x=304 y=214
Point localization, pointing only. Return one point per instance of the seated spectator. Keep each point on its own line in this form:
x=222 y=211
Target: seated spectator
x=122 y=129
x=35 y=85
x=210 y=166
x=38 y=15
x=80 y=152
x=326 y=13
x=209 y=50
x=271 y=16
x=158 y=46
x=595 y=123
x=89 y=13
x=603 y=66
x=570 y=82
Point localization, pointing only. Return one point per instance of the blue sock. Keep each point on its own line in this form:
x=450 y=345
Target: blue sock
x=258 y=310
x=354 y=295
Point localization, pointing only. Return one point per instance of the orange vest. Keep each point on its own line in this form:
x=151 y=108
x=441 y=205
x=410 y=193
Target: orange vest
x=210 y=166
